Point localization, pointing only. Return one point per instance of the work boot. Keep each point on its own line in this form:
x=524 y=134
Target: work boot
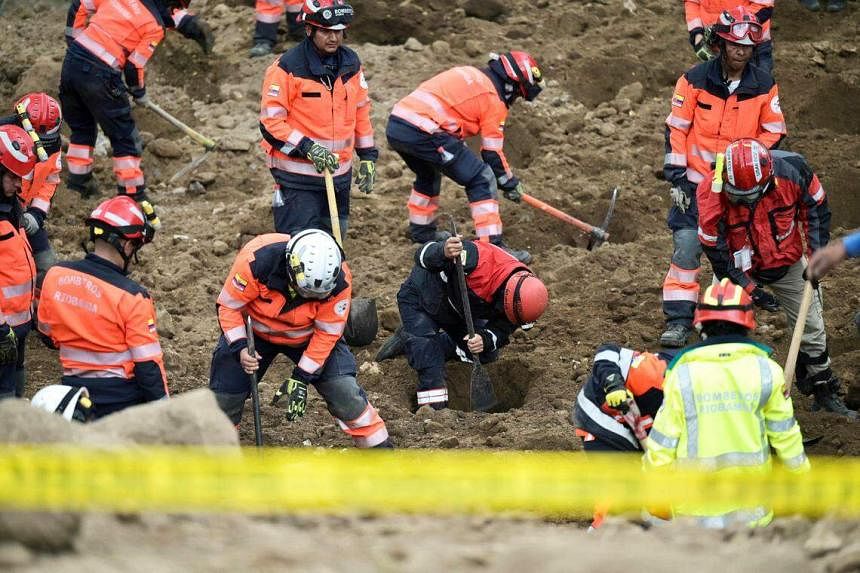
x=393 y=346
x=812 y=5
x=260 y=49
x=421 y=234
x=675 y=336
x=86 y=185
x=835 y=5
x=829 y=401
x=522 y=256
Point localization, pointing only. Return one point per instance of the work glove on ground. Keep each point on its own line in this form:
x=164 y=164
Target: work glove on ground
x=764 y=299
x=297 y=398
x=30 y=223
x=514 y=194
x=8 y=346
x=366 y=176
x=322 y=158
x=680 y=198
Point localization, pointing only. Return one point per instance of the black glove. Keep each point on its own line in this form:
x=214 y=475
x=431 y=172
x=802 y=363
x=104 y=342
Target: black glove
x=8 y=346
x=616 y=391
x=204 y=37
x=297 y=398
x=764 y=299
x=815 y=283
x=514 y=194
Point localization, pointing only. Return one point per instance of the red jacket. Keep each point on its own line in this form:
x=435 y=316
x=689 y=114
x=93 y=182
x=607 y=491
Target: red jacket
x=771 y=228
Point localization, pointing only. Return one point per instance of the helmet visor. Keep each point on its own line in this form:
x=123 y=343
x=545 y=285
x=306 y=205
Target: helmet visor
x=746 y=196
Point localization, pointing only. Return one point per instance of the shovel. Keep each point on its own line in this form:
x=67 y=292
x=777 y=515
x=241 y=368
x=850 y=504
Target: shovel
x=482 y=397
x=596 y=235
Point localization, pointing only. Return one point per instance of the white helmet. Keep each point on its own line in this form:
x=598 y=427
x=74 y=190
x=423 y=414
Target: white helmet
x=70 y=402
x=313 y=263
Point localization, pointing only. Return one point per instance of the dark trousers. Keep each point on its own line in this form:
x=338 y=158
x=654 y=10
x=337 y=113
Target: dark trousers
x=13 y=376
x=295 y=210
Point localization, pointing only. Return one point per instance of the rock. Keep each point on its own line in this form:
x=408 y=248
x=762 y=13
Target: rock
x=607 y=129
x=165 y=148
x=604 y=112
x=146 y=137
x=389 y=318
x=635 y=92
x=14 y=555
x=174 y=363
x=392 y=170
x=449 y=442
x=206 y=177
x=220 y=248
x=196 y=188
x=370 y=368
x=822 y=540
x=164 y=323
x=424 y=412
x=21 y=423
x=623 y=105
x=473 y=48
x=847 y=561
x=41 y=531
x=236 y=143
x=413 y=45
x=485 y=9
x=431 y=427
x=441 y=48
x=226 y=122
x=818 y=60
x=822 y=46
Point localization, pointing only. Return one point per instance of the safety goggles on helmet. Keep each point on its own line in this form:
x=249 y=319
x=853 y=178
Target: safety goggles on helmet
x=746 y=196
x=745 y=33
x=748 y=171
x=739 y=26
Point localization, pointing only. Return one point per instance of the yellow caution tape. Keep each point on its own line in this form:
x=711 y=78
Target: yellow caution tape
x=276 y=481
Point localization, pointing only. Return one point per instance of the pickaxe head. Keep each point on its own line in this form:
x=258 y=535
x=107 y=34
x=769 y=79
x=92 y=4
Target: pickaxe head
x=599 y=234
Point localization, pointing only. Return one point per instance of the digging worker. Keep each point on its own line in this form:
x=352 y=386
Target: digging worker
x=824 y=260
x=268 y=15
x=314 y=113
x=714 y=103
x=703 y=14
x=109 y=40
x=723 y=406
x=754 y=217
x=45 y=117
x=428 y=128
x=616 y=406
x=102 y=321
x=504 y=294
x=17 y=268
x=297 y=293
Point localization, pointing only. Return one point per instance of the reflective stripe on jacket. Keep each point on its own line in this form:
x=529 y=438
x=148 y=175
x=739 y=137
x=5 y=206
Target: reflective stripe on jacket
x=39 y=191
x=258 y=286
x=723 y=409
x=17 y=272
x=705 y=118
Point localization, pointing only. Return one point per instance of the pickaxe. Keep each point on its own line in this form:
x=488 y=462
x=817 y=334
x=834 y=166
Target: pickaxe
x=596 y=235
x=208 y=144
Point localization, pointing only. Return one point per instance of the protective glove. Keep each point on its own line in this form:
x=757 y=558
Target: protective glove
x=297 y=398
x=764 y=299
x=366 y=176
x=815 y=283
x=204 y=37
x=322 y=158
x=680 y=198
x=515 y=194
x=616 y=391
x=703 y=52
x=8 y=346
x=142 y=99
x=150 y=214
x=618 y=399
x=30 y=223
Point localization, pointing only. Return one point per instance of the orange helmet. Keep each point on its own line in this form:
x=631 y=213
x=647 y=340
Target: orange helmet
x=727 y=302
x=739 y=26
x=327 y=14
x=525 y=298
x=646 y=372
x=44 y=113
x=16 y=151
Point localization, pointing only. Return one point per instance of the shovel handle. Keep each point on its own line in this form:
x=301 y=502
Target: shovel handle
x=799 y=327
x=332 y=207
x=255 y=392
x=207 y=143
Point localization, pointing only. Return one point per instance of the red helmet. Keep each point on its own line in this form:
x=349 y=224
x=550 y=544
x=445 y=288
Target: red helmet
x=739 y=26
x=16 y=150
x=525 y=298
x=725 y=301
x=44 y=113
x=327 y=14
x=522 y=70
x=749 y=170
x=122 y=217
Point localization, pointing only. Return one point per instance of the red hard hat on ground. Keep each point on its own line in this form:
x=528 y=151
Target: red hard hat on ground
x=727 y=302
x=525 y=298
x=523 y=70
x=16 y=150
x=122 y=216
x=328 y=14
x=749 y=170
x=739 y=26
x=44 y=113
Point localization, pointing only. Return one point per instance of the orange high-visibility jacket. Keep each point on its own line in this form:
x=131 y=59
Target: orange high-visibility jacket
x=302 y=105
x=258 y=286
x=17 y=270
x=463 y=102
x=703 y=13
x=39 y=191
x=705 y=118
x=104 y=325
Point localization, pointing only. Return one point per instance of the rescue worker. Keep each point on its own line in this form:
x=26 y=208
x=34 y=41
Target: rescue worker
x=504 y=295
x=703 y=14
x=46 y=118
x=714 y=103
x=17 y=268
x=825 y=259
x=101 y=320
x=723 y=406
x=620 y=379
x=314 y=113
x=268 y=16
x=297 y=292
x=109 y=40
x=428 y=128
x=753 y=221
x=72 y=403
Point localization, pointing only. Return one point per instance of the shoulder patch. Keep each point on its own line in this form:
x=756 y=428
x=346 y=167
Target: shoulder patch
x=341 y=308
x=678 y=100
x=274 y=90
x=239 y=282
x=362 y=81
x=774 y=105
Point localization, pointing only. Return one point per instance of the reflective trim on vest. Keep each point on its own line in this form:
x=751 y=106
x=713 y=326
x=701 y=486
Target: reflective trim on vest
x=774 y=126
x=448 y=122
x=707 y=237
x=330 y=327
x=303 y=167
x=678 y=159
x=622 y=359
x=432 y=396
x=144 y=351
x=739 y=517
x=678 y=122
x=694 y=176
x=97 y=50
x=265 y=329
x=663 y=440
x=41 y=203
x=795 y=462
x=780 y=425
x=18 y=318
x=604 y=420
x=235 y=333
x=268 y=18
x=275 y=111
x=685 y=384
x=726 y=460
x=419 y=121
x=309 y=365
x=494 y=143
x=224 y=299
x=94 y=357
x=364 y=141
x=17 y=290
x=86 y=373
x=704 y=154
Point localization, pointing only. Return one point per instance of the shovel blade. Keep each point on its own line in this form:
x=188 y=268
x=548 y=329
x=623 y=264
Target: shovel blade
x=481 y=394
